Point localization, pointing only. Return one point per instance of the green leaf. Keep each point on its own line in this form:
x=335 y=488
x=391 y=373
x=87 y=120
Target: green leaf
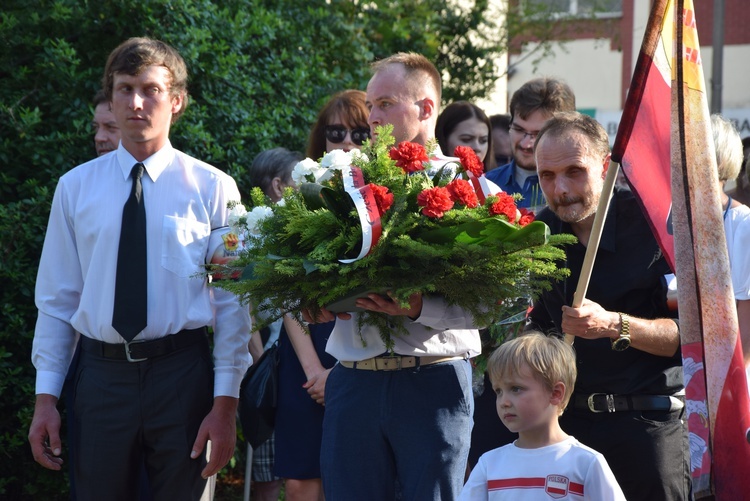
x=311 y=193
x=488 y=231
x=338 y=202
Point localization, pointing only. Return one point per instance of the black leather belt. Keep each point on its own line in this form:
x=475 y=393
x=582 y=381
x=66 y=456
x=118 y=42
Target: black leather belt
x=603 y=402
x=138 y=351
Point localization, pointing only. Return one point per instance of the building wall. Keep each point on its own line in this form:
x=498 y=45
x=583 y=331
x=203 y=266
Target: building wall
x=599 y=61
x=591 y=68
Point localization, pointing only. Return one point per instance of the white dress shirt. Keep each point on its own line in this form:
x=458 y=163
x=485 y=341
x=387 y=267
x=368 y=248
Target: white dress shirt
x=440 y=330
x=186 y=214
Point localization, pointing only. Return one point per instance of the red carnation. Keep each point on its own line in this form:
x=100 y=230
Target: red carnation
x=469 y=160
x=505 y=206
x=462 y=192
x=383 y=197
x=526 y=217
x=435 y=201
x=409 y=156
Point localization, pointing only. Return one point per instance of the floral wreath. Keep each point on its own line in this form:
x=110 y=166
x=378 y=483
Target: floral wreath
x=392 y=219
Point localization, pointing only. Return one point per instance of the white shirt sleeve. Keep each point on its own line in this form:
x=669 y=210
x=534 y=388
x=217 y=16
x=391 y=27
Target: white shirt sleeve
x=475 y=488
x=232 y=323
x=600 y=484
x=58 y=291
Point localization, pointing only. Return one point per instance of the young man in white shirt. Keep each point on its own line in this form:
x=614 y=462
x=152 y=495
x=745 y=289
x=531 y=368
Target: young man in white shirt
x=156 y=398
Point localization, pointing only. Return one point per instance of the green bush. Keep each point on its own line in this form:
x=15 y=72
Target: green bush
x=260 y=70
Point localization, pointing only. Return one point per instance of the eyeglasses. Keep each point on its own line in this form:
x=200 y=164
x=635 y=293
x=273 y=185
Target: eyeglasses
x=337 y=133
x=523 y=132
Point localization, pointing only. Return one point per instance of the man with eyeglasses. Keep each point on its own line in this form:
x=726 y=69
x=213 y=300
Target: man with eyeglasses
x=530 y=107
x=398 y=425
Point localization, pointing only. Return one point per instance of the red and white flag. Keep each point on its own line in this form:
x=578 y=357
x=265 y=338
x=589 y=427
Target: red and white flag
x=666 y=150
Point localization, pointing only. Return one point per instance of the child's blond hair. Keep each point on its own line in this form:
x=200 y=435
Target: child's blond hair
x=550 y=359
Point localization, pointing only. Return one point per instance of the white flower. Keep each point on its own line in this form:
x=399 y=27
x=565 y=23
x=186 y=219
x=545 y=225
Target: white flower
x=256 y=217
x=236 y=219
x=358 y=156
x=307 y=171
x=336 y=159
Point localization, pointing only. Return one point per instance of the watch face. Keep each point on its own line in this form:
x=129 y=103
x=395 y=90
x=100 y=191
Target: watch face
x=621 y=343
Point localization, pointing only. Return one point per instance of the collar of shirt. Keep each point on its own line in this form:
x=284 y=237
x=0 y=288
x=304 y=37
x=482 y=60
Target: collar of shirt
x=155 y=164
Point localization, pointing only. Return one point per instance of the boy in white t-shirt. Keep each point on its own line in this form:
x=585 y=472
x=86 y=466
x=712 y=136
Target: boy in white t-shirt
x=533 y=376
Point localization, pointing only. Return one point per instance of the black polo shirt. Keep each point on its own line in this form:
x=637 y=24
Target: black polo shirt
x=628 y=276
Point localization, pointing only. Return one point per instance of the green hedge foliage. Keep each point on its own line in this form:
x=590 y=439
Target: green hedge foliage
x=260 y=70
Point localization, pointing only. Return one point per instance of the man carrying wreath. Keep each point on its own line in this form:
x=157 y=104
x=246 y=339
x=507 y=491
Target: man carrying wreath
x=400 y=421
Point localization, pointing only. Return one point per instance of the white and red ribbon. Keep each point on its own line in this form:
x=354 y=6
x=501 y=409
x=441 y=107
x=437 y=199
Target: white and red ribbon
x=483 y=186
x=367 y=209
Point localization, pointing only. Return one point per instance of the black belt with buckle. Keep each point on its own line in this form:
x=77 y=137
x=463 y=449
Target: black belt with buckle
x=604 y=402
x=138 y=351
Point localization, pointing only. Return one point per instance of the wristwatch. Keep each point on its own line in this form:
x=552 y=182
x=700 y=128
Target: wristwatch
x=623 y=341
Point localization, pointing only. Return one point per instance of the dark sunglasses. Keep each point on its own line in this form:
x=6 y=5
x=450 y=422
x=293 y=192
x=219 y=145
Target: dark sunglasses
x=337 y=133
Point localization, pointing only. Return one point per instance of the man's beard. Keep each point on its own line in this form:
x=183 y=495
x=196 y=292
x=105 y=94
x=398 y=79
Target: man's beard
x=563 y=208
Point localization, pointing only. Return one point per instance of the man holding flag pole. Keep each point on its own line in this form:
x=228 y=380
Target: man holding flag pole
x=627 y=402
x=667 y=148
x=718 y=412
x=664 y=145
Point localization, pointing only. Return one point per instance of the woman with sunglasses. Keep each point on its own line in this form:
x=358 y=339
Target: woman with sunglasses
x=303 y=362
x=341 y=124
x=465 y=124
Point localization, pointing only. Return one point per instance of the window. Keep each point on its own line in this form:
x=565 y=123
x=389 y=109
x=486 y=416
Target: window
x=576 y=8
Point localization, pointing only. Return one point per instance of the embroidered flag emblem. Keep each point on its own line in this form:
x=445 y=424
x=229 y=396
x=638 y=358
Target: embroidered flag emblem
x=556 y=486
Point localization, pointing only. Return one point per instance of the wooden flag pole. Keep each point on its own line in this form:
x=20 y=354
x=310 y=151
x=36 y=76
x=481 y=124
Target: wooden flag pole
x=596 y=235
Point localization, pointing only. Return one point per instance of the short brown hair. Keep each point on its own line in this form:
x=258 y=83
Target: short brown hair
x=550 y=359
x=138 y=53
x=566 y=122
x=350 y=106
x=414 y=63
x=546 y=94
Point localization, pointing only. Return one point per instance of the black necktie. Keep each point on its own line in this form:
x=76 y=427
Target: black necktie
x=129 y=317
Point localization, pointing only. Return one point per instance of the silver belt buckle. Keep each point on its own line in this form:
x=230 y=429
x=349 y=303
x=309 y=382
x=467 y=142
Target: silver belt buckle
x=127 y=352
x=610 y=399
